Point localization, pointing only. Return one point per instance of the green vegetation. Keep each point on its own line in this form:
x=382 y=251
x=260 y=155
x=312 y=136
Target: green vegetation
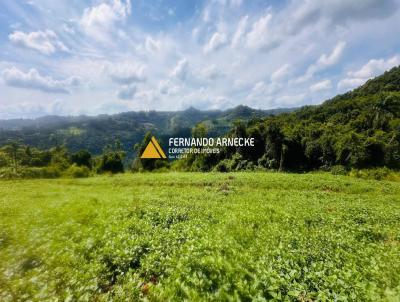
x=20 y=161
x=359 y=129
x=201 y=237
x=94 y=133
x=356 y=130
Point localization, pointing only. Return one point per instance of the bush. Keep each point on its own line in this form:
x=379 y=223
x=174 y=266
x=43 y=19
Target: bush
x=223 y=166
x=339 y=170
x=9 y=173
x=242 y=165
x=82 y=158
x=76 y=171
x=111 y=162
x=30 y=172
x=377 y=174
x=46 y=172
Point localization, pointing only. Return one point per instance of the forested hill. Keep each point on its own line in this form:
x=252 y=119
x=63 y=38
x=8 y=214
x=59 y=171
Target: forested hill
x=369 y=97
x=94 y=133
x=358 y=129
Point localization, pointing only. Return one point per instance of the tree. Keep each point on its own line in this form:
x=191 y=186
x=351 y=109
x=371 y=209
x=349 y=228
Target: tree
x=111 y=162
x=112 y=159
x=273 y=145
x=82 y=158
x=13 y=154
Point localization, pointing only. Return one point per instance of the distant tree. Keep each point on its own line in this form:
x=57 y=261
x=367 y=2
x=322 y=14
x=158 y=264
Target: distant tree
x=200 y=130
x=82 y=158
x=60 y=157
x=273 y=145
x=112 y=159
x=13 y=153
x=111 y=162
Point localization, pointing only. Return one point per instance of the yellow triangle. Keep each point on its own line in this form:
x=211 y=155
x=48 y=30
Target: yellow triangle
x=153 y=150
x=150 y=151
x=158 y=147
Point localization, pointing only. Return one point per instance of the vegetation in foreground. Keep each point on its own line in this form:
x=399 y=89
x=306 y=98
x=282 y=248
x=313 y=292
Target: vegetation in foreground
x=175 y=236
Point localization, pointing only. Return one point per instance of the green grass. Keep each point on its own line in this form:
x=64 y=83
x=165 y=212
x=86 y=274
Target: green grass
x=175 y=236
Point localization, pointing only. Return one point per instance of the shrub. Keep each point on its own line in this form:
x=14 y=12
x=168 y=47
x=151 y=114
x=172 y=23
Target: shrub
x=82 y=158
x=111 y=162
x=242 y=165
x=9 y=173
x=47 y=172
x=377 y=174
x=30 y=172
x=223 y=166
x=339 y=170
x=75 y=171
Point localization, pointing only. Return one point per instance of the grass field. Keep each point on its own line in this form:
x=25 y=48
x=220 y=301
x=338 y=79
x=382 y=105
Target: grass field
x=175 y=236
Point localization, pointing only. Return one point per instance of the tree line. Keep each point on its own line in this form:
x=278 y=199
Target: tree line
x=356 y=130
x=23 y=161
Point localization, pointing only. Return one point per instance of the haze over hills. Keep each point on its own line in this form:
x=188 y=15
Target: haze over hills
x=95 y=132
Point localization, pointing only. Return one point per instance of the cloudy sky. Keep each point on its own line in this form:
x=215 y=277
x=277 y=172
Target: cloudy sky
x=106 y=56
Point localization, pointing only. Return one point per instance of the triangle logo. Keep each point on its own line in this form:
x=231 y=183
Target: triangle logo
x=153 y=150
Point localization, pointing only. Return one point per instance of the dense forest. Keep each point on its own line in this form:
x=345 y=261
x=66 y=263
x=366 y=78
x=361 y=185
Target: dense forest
x=357 y=130
x=129 y=128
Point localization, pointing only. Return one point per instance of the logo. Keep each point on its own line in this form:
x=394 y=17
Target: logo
x=153 y=150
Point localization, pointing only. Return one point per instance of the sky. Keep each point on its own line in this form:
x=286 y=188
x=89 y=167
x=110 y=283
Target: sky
x=107 y=56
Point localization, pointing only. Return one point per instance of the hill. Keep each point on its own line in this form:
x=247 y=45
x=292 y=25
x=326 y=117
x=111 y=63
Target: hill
x=358 y=129
x=94 y=133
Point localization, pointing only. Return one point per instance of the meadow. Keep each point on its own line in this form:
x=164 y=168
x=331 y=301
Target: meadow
x=244 y=236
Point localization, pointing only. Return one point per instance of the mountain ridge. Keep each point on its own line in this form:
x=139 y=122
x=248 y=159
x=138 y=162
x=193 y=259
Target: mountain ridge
x=96 y=132
x=17 y=123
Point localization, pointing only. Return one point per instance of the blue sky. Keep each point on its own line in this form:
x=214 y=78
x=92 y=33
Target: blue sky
x=107 y=56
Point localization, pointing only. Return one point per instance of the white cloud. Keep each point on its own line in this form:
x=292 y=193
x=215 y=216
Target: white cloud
x=260 y=36
x=32 y=109
x=126 y=92
x=254 y=52
x=240 y=31
x=320 y=86
x=261 y=93
x=212 y=72
x=148 y=98
x=45 y=42
x=33 y=80
x=324 y=61
x=333 y=58
x=290 y=100
x=98 y=20
x=152 y=45
x=371 y=69
x=339 y=11
x=217 y=41
x=168 y=88
x=125 y=74
x=349 y=83
x=181 y=70
x=281 y=73
x=113 y=107
x=375 y=67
